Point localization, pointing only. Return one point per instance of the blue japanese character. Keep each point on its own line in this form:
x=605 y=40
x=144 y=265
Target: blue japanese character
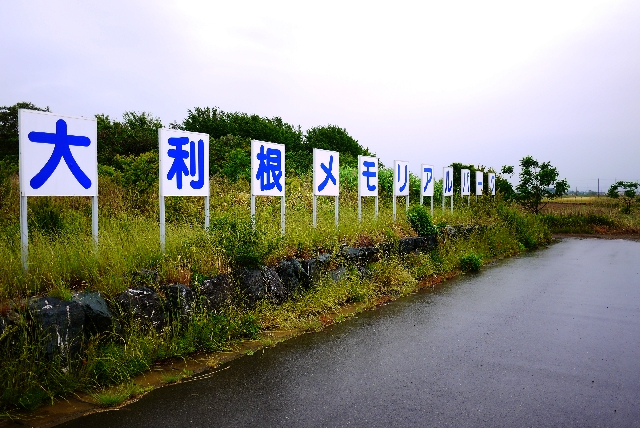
x=270 y=169
x=329 y=175
x=369 y=174
x=448 y=186
x=179 y=166
x=406 y=174
x=61 y=150
x=429 y=172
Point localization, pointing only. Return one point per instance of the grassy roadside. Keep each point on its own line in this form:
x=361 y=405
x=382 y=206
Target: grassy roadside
x=62 y=261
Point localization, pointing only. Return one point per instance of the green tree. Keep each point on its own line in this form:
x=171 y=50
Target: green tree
x=626 y=191
x=135 y=135
x=9 y=143
x=503 y=186
x=538 y=182
x=337 y=139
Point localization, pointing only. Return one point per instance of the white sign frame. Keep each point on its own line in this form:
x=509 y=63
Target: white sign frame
x=427 y=184
x=447 y=185
x=465 y=182
x=479 y=183
x=363 y=184
x=398 y=167
x=263 y=148
x=54 y=169
x=491 y=179
x=195 y=146
x=325 y=159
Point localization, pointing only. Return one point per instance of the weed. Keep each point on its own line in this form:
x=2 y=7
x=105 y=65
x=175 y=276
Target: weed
x=470 y=263
x=110 y=397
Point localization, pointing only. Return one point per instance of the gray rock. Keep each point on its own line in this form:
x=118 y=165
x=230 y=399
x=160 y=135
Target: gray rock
x=216 y=292
x=293 y=276
x=313 y=267
x=250 y=285
x=142 y=305
x=62 y=324
x=359 y=255
x=180 y=300
x=338 y=273
x=274 y=288
x=97 y=316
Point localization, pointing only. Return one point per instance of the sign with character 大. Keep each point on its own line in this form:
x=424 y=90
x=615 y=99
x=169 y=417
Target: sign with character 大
x=184 y=163
x=58 y=154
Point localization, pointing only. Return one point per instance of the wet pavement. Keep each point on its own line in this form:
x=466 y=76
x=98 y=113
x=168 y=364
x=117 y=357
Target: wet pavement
x=548 y=339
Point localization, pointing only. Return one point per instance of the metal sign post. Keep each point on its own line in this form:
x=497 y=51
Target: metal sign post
x=184 y=170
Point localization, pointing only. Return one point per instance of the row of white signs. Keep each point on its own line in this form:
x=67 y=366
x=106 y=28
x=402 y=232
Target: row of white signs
x=46 y=140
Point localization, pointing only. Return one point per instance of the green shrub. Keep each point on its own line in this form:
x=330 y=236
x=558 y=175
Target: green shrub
x=420 y=220
x=470 y=263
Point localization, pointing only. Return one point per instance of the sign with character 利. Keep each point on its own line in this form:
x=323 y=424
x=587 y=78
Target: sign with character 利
x=184 y=163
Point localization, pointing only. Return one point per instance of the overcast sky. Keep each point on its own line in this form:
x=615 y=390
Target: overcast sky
x=482 y=83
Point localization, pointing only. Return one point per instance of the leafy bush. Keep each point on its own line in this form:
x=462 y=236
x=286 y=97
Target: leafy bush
x=470 y=263
x=420 y=220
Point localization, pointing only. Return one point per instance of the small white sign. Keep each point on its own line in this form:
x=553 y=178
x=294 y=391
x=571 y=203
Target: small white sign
x=465 y=182
x=479 y=183
x=326 y=173
x=426 y=184
x=184 y=163
x=267 y=168
x=368 y=176
x=400 y=178
x=58 y=154
x=492 y=183
x=447 y=181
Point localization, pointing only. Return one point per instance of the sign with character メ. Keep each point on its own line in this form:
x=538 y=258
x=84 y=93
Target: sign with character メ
x=400 y=183
x=492 y=183
x=58 y=157
x=465 y=182
x=326 y=178
x=367 y=181
x=447 y=185
x=267 y=175
x=479 y=183
x=184 y=169
x=426 y=183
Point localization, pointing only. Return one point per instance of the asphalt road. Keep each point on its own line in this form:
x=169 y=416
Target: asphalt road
x=548 y=339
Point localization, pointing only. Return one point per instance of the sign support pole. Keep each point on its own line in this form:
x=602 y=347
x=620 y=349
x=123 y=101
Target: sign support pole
x=431 y=206
x=24 y=232
x=163 y=232
x=337 y=211
x=94 y=219
x=282 y=214
x=253 y=211
x=451 y=203
x=394 y=208
x=315 y=216
x=376 y=206
x=359 y=208
x=207 y=214
x=406 y=199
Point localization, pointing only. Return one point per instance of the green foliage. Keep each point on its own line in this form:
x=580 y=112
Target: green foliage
x=538 y=181
x=576 y=223
x=218 y=123
x=420 y=220
x=337 y=139
x=135 y=135
x=470 y=262
x=457 y=176
x=530 y=230
x=503 y=186
x=243 y=246
x=9 y=143
x=626 y=191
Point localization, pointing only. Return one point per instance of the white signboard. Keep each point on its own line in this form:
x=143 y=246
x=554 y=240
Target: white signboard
x=368 y=176
x=58 y=154
x=267 y=168
x=492 y=183
x=426 y=183
x=184 y=163
x=465 y=182
x=400 y=178
x=479 y=183
x=447 y=181
x=326 y=173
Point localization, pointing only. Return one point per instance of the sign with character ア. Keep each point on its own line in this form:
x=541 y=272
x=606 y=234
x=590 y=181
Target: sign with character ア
x=426 y=182
x=58 y=156
x=268 y=175
x=479 y=183
x=184 y=169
